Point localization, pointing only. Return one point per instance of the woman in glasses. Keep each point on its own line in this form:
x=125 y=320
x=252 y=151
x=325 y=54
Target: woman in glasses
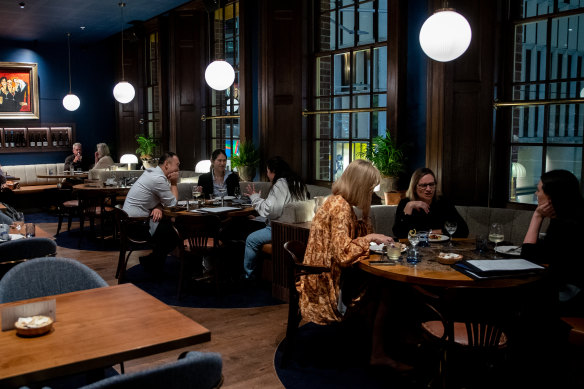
x=423 y=210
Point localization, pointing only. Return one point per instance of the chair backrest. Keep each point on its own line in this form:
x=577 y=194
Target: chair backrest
x=45 y=277
x=20 y=249
x=132 y=229
x=196 y=370
x=198 y=230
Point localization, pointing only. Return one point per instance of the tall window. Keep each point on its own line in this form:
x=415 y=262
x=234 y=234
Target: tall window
x=153 y=103
x=547 y=65
x=351 y=75
x=225 y=33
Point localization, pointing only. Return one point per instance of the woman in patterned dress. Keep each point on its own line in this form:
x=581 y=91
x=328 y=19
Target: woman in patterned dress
x=339 y=239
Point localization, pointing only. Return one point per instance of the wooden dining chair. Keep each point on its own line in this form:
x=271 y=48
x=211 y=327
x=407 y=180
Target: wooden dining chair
x=467 y=328
x=296 y=268
x=93 y=204
x=199 y=237
x=133 y=234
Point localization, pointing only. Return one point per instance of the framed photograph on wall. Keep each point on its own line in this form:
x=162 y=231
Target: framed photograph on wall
x=19 y=93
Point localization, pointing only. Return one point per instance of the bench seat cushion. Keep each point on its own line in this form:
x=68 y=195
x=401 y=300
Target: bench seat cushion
x=28 y=173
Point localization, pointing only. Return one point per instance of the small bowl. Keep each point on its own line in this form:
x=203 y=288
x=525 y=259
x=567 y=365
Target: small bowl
x=33 y=326
x=448 y=258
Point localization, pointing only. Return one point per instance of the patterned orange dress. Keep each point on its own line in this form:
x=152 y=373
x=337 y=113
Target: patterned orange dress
x=336 y=241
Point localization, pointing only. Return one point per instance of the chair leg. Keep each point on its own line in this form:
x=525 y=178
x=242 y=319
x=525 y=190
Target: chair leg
x=60 y=223
x=291 y=329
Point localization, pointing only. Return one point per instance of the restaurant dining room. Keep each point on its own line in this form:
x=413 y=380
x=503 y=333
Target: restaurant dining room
x=291 y=194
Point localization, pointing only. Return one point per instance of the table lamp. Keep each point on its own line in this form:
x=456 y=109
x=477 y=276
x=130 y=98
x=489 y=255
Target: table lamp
x=129 y=159
x=517 y=171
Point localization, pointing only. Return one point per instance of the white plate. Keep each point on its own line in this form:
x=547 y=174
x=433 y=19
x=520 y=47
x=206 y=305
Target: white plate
x=378 y=248
x=16 y=236
x=437 y=238
x=228 y=197
x=509 y=250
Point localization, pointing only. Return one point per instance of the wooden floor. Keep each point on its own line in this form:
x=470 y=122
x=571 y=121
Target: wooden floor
x=246 y=338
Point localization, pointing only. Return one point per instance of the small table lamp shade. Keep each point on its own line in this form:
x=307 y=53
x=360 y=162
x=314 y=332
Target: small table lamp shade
x=129 y=159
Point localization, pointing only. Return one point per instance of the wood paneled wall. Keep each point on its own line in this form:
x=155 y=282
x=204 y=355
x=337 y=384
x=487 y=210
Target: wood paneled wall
x=460 y=110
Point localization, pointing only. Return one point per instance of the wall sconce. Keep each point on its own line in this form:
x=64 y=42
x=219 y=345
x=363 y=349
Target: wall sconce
x=445 y=35
x=124 y=91
x=70 y=102
x=517 y=171
x=129 y=159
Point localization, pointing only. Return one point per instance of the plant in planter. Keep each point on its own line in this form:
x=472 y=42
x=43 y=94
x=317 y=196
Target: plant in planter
x=246 y=161
x=145 y=150
x=389 y=159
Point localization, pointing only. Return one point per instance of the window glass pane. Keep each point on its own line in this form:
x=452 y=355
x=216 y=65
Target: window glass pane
x=379 y=125
x=537 y=7
x=567 y=158
x=361 y=71
x=530 y=52
x=566 y=90
x=327 y=29
x=361 y=120
x=527 y=169
x=341 y=125
x=323 y=160
x=323 y=126
x=527 y=124
x=382 y=21
x=571 y=4
x=343 y=102
x=342 y=159
x=566 y=123
x=346 y=27
x=380 y=69
x=364 y=32
x=323 y=76
x=342 y=71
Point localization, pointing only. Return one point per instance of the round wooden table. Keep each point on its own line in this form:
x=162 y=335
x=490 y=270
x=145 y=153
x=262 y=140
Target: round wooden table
x=430 y=272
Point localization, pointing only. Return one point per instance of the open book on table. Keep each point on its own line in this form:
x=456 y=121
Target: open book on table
x=491 y=268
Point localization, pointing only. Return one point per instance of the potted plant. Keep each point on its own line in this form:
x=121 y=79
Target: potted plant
x=389 y=159
x=145 y=150
x=246 y=161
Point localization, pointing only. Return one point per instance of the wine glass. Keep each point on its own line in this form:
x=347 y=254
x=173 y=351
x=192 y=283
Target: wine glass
x=414 y=240
x=496 y=235
x=237 y=192
x=222 y=192
x=196 y=193
x=450 y=227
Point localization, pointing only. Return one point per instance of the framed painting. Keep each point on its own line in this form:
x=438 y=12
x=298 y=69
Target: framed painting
x=19 y=93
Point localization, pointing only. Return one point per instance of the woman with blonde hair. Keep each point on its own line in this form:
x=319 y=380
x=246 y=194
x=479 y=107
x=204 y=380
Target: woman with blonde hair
x=102 y=157
x=339 y=239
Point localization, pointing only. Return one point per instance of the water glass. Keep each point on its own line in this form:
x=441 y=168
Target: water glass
x=424 y=238
x=481 y=243
x=450 y=227
x=393 y=252
x=30 y=230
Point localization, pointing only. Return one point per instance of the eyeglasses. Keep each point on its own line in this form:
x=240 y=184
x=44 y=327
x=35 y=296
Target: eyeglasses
x=431 y=185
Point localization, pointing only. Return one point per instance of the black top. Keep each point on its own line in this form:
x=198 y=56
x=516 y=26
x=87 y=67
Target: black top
x=75 y=165
x=206 y=181
x=441 y=210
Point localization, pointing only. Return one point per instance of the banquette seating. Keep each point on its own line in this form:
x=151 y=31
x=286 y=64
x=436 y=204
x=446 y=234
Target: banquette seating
x=28 y=174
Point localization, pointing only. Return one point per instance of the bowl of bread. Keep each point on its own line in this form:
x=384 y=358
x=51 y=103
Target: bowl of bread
x=449 y=258
x=33 y=325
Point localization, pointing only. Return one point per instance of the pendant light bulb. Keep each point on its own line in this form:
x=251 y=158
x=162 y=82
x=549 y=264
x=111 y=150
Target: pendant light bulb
x=445 y=35
x=219 y=75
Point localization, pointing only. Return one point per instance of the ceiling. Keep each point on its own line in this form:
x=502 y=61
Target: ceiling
x=51 y=20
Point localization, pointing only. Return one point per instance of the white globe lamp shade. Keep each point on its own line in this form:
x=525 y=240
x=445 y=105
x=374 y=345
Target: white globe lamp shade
x=71 y=102
x=445 y=35
x=124 y=92
x=129 y=158
x=219 y=75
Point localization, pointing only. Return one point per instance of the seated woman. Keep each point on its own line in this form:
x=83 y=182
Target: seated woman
x=102 y=157
x=339 y=239
x=559 y=199
x=286 y=187
x=218 y=178
x=423 y=210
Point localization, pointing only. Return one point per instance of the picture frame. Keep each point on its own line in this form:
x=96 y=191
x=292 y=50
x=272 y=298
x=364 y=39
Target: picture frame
x=19 y=93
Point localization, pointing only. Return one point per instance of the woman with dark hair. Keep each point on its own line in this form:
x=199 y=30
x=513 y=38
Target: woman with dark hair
x=218 y=177
x=423 y=209
x=286 y=187
x=559 y=199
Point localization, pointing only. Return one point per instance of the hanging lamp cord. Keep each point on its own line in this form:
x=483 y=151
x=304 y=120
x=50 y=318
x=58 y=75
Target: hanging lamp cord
x=122 y=5
x=69 y=55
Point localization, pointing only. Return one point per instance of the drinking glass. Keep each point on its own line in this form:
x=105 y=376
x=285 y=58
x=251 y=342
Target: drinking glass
x=414 y=240
x=19 y=222
x=237 y=192
x=450 y=227
x=196 y=193
x=496 y=235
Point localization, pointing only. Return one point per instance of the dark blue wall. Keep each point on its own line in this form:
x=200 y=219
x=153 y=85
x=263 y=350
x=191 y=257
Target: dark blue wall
x=92 y=77
x=416 y=87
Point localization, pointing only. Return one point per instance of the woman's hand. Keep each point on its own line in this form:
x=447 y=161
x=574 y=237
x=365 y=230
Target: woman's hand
x=546 y=209
x=410 y=206
x=96 y=157
x=156 y=214
x=379 y=238
x=251 y=190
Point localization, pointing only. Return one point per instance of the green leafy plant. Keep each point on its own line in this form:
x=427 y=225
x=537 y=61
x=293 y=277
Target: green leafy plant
x=248 y=155
x=146 y=146
x=386 y=155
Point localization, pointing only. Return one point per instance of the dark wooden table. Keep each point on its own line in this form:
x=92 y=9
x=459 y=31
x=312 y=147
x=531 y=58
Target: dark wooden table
x=96 y=328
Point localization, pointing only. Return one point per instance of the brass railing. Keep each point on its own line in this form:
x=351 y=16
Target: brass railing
x=204 y=117
x=498 y=104
x=325 y=111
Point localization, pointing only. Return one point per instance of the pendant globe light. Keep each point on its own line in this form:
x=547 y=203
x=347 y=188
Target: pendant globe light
x=70 y=102
x=219 y=75
x=124 y=91
x=445 y=35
